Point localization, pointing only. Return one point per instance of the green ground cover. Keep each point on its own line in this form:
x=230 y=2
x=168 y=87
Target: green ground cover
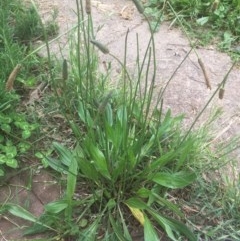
x=211 y=22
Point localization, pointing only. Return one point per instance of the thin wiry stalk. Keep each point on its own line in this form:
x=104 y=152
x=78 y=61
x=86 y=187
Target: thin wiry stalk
x=138 y=87
x=125 y=100
x=160 y=96
x=124 y=68
x=46 y=41
x=89 y=89
x=184 y=30
x=78 y=43
x=146 y=94
x=141 y=68
x=209 y=101
x=83 y=25
x=49 y=42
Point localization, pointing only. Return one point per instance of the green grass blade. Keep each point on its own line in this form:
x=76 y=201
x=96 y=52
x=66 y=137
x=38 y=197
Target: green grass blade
x=116 y=229
x=124 y=225
x=90 y=233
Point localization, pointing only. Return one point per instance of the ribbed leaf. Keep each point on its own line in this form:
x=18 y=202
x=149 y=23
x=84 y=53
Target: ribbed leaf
x=124 y=225
x=20 y=212
x=143 y=192
x=164 y=223
x=117 y=230
x=136 y=203
x=109 y=114
x=72 y=178
x=65 y=155
x=56 y=207
x=56 y=165
x=90 y=233
x=149 y=232
x=171 y=225
x=122 y=115
x=163 y=160
x=168 y=204
x=183 y=229
x=85 y=115
x=174 y=180
x=88 y=169
x=138 y=214
x=85 y=166
x=98 y=160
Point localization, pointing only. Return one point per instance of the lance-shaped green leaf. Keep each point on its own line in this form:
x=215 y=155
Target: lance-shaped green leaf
x=72 y=178
x=174 y=180
x=65 y=155
x=98 y=160
x=170 y=226
x=20 y=212
x=149 y=231
x=56 y=207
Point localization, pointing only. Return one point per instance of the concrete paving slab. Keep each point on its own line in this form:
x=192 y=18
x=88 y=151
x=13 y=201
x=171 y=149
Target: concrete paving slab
x=30 y=193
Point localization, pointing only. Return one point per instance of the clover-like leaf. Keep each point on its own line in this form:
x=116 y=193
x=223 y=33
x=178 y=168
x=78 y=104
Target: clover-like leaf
x=12 y=163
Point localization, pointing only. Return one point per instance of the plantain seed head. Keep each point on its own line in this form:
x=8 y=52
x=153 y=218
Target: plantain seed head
x=139 y=6
x=64 y=70
x=100 y=46
x=88 y=7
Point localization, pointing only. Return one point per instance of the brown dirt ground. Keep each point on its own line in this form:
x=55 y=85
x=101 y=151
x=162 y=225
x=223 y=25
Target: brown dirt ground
x=186 y=93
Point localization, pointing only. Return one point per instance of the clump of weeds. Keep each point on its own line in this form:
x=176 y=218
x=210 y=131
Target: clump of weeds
x=208 y=21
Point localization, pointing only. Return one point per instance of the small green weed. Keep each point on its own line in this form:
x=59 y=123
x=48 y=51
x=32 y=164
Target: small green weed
x=26 y=24
x=14 y=131
x=213 y=207
x=15 y=127
x=219 y=18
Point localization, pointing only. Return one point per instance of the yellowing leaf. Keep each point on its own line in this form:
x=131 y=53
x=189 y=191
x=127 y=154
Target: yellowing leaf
x=137 y=213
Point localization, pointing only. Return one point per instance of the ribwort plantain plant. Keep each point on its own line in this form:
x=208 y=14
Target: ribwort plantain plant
x=126 y=152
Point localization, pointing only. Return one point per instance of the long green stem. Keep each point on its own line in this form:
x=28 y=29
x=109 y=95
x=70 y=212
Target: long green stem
x=46 y=41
